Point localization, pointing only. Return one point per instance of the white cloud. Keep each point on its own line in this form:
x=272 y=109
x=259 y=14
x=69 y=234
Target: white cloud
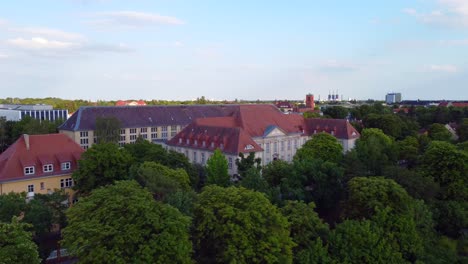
x=48 y=32
x=178 y=44
x=131 y=19
x=3 y=56
x=451 y=13
x=441 y=68
x=40 y=44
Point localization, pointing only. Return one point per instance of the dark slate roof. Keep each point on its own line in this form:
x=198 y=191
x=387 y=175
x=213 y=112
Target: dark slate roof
x=145 y=116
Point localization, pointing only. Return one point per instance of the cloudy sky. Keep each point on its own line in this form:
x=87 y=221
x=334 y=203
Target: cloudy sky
x=171 y=49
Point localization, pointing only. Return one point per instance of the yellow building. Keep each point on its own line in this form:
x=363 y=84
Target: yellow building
x=39 y=164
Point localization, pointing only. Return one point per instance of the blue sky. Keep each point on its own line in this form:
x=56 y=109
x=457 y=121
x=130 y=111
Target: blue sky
x=180 y=50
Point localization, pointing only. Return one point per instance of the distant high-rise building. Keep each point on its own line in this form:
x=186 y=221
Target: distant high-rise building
x=392 y=98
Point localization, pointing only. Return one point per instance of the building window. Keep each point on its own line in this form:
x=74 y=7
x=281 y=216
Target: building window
x=122 y=138
x=65 y=165
x=145 y=136
x=31 y=188
x=230 y=163
x=289 y=144
x=133 y=138
x=29 y=170
x=221 y=146
x=173 y=130
x=133 y=130
x=47 y=168
x=203 y=158
x=143 y=130
x=275 y=147
x=164 y=132
x=66 y=183
x=203 y=143
x=154 y=135
x=186 y=153
x=121 y=144
x=194 y=156
x=282 y=145
x=180 y=140
x=154 y=129
x=188 y=141
x=295 y=144
x=122 y=131
x=84 y=134
x=196 y=142
x=42 y=186
x=84 y=141
x=267 y=147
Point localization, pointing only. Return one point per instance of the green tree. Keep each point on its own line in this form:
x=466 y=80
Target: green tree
x=236 y=225
x=416 y=184
x=277 y=171
x=439 y=132
x=368 y=195
x=451 y=217
x=100 y=165
x=310 y=114
x=322 y=146
x=308 y=232
x=338 y=112
x=448 y=166
x=121 y=223
x=253 y=180
x=390 y=124
x=375 y=150
x=16 y=245
x=161 y=180
x=12 y=204
x=217 y=170
x=245 y=163
x=362 y=242
x=107 y=130
x=462 y=130
x=39 y=215
x=408 y=150
x=321 y=181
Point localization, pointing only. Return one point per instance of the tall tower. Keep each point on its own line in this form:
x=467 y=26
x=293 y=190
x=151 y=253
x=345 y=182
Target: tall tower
x=310 y=101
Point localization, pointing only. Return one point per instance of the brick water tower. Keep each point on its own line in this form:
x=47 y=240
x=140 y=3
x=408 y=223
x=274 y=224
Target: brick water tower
x=310 y=101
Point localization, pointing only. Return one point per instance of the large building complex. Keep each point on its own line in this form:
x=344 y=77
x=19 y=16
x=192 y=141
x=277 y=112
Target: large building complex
x=261 y=129
x=198 y=130
x=39 y=164
x=16 y=112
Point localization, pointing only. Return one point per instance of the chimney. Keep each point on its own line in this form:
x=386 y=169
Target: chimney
x=26 y=141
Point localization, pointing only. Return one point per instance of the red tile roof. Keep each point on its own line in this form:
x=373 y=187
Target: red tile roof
x=340 y=128
x=43 y=149
x=459 y=104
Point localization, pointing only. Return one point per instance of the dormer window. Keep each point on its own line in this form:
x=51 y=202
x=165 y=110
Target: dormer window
x=333 y=133
x=188 y=141
x=29 y=170
x=212 y=144
x=204 y=144
x=221 y=146
x=66 y=165
x=180 y=140
x=196 y=142
x=47 y=168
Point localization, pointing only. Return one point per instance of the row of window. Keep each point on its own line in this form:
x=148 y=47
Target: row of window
x=47 y=168
x=64 y=183
x=275 y=146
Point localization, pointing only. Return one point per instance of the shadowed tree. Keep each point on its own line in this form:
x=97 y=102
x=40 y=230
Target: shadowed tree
x=217 y=170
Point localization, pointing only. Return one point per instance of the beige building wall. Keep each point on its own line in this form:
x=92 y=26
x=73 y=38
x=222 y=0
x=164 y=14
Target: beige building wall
x=43 y=185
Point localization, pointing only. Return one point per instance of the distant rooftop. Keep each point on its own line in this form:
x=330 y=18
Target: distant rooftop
x=26 y=107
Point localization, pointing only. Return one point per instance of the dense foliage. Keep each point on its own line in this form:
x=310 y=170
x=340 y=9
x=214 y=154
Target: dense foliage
x=400 y=196
x=121 y=223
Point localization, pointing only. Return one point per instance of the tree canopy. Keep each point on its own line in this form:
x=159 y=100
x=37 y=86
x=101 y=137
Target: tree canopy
x=236 y=225
x=322 y=146
x=217 y=170
x=16 y=245
x=100 y=165
x=121 y=223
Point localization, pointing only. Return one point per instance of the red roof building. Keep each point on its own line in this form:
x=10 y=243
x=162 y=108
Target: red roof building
x=39 y=164
x=130 y=103
x=261 y=129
